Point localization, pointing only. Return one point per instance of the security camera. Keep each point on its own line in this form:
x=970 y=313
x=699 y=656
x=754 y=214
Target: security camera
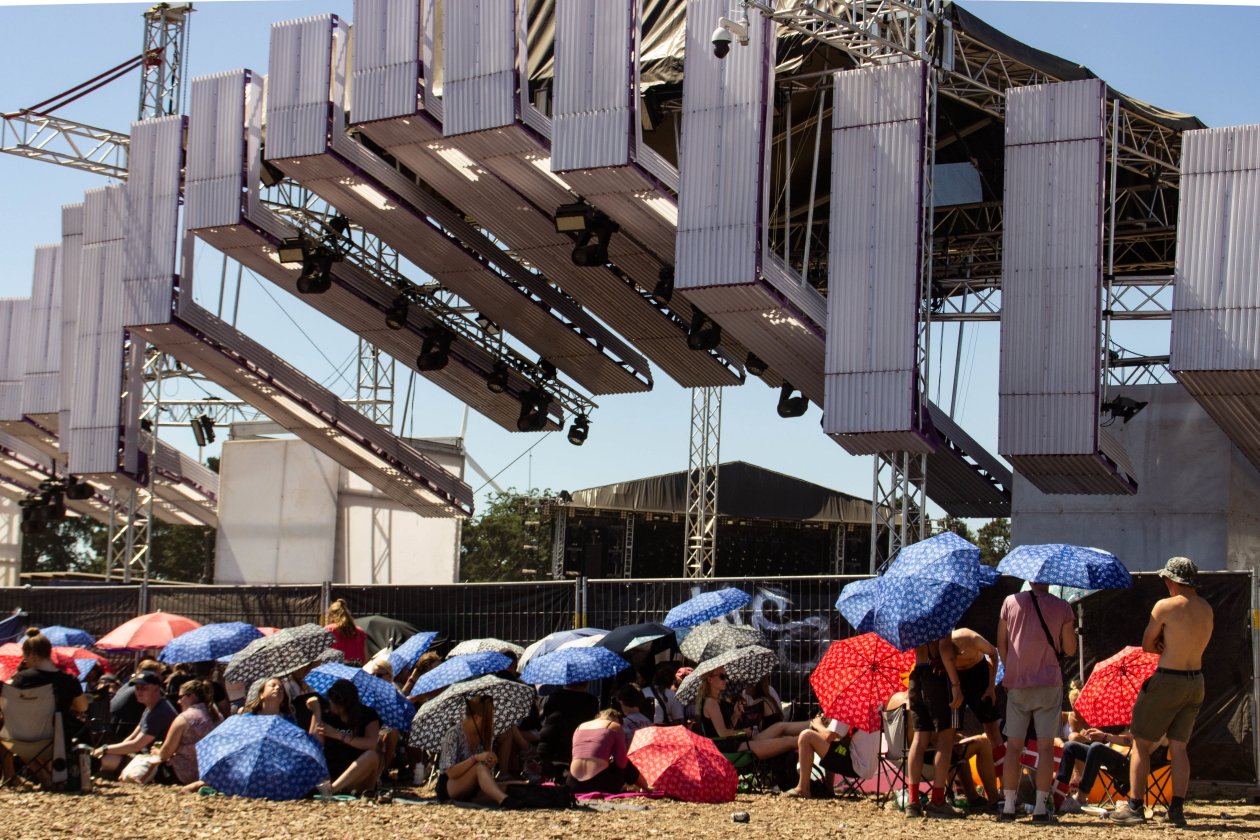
x=721 y=42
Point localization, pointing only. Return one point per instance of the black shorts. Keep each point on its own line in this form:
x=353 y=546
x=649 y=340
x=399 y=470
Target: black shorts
x=929 y=700
x=835 y=761
x=442 y=782
x=609 y=780
x=975 y=682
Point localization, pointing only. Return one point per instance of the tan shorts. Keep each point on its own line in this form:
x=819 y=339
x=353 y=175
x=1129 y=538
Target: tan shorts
x=1167 y=705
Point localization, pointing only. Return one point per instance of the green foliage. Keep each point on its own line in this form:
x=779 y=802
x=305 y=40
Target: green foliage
x=994 y=539
x=511 y=537
x=77 y=544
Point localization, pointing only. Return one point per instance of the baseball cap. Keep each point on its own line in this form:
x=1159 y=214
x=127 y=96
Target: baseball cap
x=146 y=678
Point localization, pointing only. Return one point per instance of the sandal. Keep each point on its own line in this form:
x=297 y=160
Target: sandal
x=793 y=793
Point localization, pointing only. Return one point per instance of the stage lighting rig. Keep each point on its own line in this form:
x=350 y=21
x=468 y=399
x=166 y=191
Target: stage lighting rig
x=497 y=381
x=705 y=333
x=663 y=291
x=754 y=365
x=435 y=351
x=1123 y=408
x=396 y=315
x=316 y=276
x=202 y=429
x=579 y=430
x=589 y=224
x=533 y=416
x=789 y=405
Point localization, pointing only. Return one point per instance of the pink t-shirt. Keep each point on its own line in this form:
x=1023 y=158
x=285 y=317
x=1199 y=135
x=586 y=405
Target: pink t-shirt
x=1030 y=661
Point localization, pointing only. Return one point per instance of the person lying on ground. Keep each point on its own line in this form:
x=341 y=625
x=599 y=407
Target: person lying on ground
x=840 y=749
x=465 y=764
x=349 y=732
x=154 y=723
x=712 y=723
x=599 y=763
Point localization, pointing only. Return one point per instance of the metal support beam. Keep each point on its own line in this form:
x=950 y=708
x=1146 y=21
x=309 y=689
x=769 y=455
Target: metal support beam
x=558 y=539
x=65 y=142
x=376 y=385
x=162 y=70
x=702 y=483
x=627 y=548
x=897 y=505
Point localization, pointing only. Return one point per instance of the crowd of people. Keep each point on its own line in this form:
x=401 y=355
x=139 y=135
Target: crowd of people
x=146 y=729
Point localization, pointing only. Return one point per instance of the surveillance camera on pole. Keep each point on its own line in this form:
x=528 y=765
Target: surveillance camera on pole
x=729 y=31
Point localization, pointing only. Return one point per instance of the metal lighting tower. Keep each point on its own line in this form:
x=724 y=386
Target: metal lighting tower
x=702 y=483
x=162 y=70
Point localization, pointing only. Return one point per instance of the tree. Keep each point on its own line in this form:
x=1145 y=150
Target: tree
x=994 y=540
x=511 y=537
x=956 y=524
x=72 y=544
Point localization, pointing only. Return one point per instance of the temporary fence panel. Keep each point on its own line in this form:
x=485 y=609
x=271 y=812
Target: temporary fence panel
x=262 y=606
x=96 y=609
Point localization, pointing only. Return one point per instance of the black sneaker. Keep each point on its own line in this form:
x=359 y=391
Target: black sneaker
x=1006 y=816
x=1043 y=818
x=1177 y=818
x=913 y=810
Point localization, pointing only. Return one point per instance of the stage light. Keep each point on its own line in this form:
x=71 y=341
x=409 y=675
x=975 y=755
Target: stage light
x=207 y=427
x=705 y=334
x=533 y=416
x=754 y=365
x=339 y=224
x=579 y=430
x=435 y=351
x=291 y=251
x=487 y=326
x=199 y=434
x=594 y=231
x=497 y=381
x=791 y=406
x=1124 y=408
x=573 y=218
x=316 y=276
x=546 y=369
x=396 y=315
x=78 y=490
x=664 y=288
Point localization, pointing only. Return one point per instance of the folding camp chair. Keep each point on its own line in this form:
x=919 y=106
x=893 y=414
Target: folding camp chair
x=1158 y=783
x=32 y=734
x=895 y=753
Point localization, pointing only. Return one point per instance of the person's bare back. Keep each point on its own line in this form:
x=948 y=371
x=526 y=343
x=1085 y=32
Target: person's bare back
x=1179 y=630
x=971 y=648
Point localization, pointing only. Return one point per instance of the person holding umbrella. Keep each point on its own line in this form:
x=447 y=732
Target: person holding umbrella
x=348 y=732
x=465 y=760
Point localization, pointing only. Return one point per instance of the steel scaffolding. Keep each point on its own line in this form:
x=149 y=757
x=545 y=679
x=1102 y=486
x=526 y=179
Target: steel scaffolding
x=702 y=483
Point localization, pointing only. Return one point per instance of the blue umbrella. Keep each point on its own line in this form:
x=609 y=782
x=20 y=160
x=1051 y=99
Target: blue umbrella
x=857 y=604
x=374 y=692
x=209 y=642
x=573 y=665
x=262 y=757
x=706 y=606
x=461 y=668
x=552 y=641
x=404 y=658
x=1066 y=565
x=68 y=636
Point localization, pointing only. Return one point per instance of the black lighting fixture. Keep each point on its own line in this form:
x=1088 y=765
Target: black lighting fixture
x=316 y=276
x=789 y=405
x=435 y=351
x=533 y=416
x=202 y=429
x=497 y=381
x=578 y=431
x=565 y=497
x=546 y=369
x=396 y=315
x=270 y=174
x=754 y=365
x=704 y=334
x=78 y=490
x=146 y=425
x=594 y=231
x=487 y=326
x=291 y=251
x=573 y=218
x=1124 y=408
x=664 y=288
x=339 y=224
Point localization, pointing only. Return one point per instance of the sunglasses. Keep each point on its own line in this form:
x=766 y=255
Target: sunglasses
x=722 y=677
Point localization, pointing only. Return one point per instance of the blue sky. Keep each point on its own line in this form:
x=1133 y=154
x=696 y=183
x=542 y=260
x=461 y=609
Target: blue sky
x=1192 y=58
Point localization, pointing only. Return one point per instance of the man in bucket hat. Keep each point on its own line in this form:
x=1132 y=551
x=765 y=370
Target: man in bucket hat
x=1178 y=631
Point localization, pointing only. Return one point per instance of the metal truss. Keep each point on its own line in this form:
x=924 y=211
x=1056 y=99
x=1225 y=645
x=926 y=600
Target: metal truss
x=898 y=503
x=837 y=548
x=627 y=547
x=702 y=483
x=221 y=412
x=65 y=142
x=162 y=71
x=375 y=384
x=559 y=539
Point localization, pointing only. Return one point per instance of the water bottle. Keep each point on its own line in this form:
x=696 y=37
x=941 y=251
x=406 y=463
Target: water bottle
x=85 y=768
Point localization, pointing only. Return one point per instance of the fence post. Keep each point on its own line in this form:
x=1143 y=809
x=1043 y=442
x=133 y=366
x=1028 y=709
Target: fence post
x=144 y=596
x=579 y=603
x=325 y=599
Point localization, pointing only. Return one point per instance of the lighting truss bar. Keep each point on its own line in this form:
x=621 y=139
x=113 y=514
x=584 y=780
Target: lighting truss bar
x=1134 y=298
x=702 y=483
x=65 y=142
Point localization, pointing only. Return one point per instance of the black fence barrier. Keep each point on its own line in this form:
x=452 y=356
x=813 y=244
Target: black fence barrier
x=262 y=606
x=96 y=609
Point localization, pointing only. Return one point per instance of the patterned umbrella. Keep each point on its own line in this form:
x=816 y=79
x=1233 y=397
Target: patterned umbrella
x=743 y=666
x=384 y=632
x=1071 y=594
x=282 y=652
x=153 y=630
x=374 y=692
x=512 y=702
x=681 y=764
x=857 y=603
x=68 y=636
x=331 y=655
x=632 y=636
x=481 y=645
x=574 y=665
x=459 y=668
x=856 y=677
x=1066 y=565
x=209 y=642
x=1108 y=695
x=404 y=657
x=74 y=661
x=706 y=606
x=554 y=641
x=262 y=757
x=709 y=640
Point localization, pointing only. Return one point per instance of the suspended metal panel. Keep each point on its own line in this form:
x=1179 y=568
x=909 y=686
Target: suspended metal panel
x=594 y=78
x=215 y=173
x=14 y=323
x=41 y=392
x=872 y=401
x=306 y=87
x=386 y=57
x=481 y=81
x=1216 y=306
x=71 y=257
x=151 y=231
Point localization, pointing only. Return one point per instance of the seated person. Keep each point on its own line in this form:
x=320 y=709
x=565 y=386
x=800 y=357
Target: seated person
x=562 y=712
x=762 y=706
x=978 y=747
x=1098 y=750
x=349 y=732
x=124 y=709
x=198 y=716
x=465 y=762
x=841 y=750
x=666 y=710
x=154 y=723
x=713 y=723
x=268 y=697
x=630 y=700
x=38 y=670
x=599 y=763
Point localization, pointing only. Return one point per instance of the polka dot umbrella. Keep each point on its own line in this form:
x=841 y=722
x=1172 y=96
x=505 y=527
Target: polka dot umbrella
x=744 y=666
x=261 y=757
x=458 y=668
x=709 y=640
x=512 y=702
x=1108 y=695
x=706 y=606
x=1066 y=565
x=856 y=677
x=280 y=653
x=681 y=764
x=481 y=645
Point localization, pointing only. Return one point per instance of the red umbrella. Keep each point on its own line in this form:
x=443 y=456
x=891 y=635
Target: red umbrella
x=857 y=676
x=64 y=658
x=267 y=631
x=1112 y=688
x=153 y=630
x=677 y=762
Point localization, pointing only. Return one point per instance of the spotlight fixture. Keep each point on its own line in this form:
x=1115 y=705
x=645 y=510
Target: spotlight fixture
x=573 y=218
x=199 y=434
x=291 y=251
x=316 y=276
x=146 y=425
x=791 y=406
x=546 y=369
x=754 y=365
x=207 y=427
x=594 y=231
x=579 y=430
x=497 y=381
x=435 y=351
x=339 y=224
x=533 y=416
x=664 y=288
x=1124 y=408
x=78 y=490
x=705 y=334
x=270 y=174
x=396 y=315
x=487 y=326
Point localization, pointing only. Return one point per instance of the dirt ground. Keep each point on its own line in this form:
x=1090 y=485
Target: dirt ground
x=121 y=812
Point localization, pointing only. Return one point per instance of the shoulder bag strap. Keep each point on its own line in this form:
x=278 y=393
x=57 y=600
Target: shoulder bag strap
x=1045 y=627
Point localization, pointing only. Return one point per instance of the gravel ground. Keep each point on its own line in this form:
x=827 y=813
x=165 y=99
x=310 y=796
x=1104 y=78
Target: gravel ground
x=120 y=812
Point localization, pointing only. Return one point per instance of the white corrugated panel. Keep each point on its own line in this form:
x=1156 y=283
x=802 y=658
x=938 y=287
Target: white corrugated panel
x=71 y=254
x=1051 y=271
x=386 y=72
x=721 y=168
x=41 y=389
x=14 y=323
x=594 y=78
x=1216 y=302
x=873 y=265
x=216 y=150
x=151 y=232
x=300 y=86
x=480 y=65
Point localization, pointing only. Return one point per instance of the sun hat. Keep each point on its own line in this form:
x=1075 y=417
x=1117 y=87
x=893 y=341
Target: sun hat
x=1181 y=570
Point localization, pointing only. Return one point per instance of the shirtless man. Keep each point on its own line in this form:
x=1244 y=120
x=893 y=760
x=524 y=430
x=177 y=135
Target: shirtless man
x=1178 y=631
x=935 y=696
x=976 y=661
